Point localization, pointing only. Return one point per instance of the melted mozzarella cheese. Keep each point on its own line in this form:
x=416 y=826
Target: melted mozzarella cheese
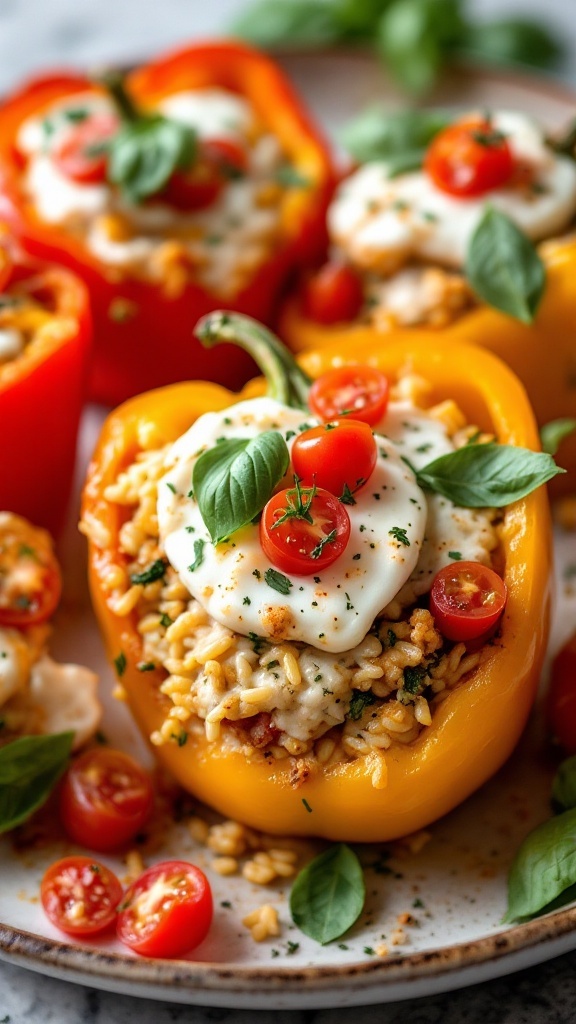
x=11 y=344
x=212 y=113
x=332 y=610
x=381 y=222
x=15 y=660
x=67 y=697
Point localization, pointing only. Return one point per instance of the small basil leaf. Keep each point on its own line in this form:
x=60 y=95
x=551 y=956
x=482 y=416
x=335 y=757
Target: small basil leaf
x=504 y=268
x=233 y=481
x=488 y=475
x=278 y=581
x=378 y=134
x=414 y=38
x=552 y=434
x=514 y=41
x=328 y=894
x=29 y=769
x=146 y=152
x=544 y=867
x=564 y=786
x=293 y=22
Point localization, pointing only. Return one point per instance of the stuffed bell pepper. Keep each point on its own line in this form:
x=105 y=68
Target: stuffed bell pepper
x=44 y=351
x=460 y=230
x=327 y=604
x=194 y=182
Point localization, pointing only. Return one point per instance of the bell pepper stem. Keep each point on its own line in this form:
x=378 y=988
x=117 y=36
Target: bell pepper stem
x=287 y=382
x=113 y=82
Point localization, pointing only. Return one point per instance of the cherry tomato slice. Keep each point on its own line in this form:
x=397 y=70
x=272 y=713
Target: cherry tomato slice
x=337 y=456
x=333 y=294
x=303 y=530
x=167 y=911
x=105 y=799
x=360 y=392
x=218 y=161
x=466 y=600
x=80 y=896
x=81 y=154
x=30 y=582
x=469 y=158
x=562 y=697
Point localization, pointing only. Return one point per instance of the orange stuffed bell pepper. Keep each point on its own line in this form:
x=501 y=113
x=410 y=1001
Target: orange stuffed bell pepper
x=306 y=662
x=469 y=242
x=45 y=333
x=198 y=181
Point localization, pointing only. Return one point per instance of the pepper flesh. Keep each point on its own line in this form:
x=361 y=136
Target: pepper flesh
x=542 y=354
x=41 y=398
x=473 y=731
x=143 y=336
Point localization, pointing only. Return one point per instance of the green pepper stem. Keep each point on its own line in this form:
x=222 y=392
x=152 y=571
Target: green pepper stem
x=113 y=82
x=287 y=382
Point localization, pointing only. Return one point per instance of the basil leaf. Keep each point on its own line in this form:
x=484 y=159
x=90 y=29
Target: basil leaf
x=278 y=581
x=29 y=769
x=378 y=134
x=488 y=475
x=564 y=786
x=233 y=481
x=504 y=268
x=357 y=19
x=155 y=571
x=514 y=41
x=544 y=867
x=414 y=37
x=306 y=23
x=328 y=895
x=553 y=433
x=145 y=153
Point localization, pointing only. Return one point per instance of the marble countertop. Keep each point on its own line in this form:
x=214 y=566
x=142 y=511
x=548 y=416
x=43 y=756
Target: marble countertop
x=41 y=33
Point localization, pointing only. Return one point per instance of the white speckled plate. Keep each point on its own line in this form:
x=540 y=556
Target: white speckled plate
x=454 y=887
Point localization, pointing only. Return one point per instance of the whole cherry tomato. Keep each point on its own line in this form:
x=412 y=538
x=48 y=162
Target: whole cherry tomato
x=466 y=600
x=469 y=158
x=360 y=392
x=337 y=456
x=562 y=697
x=30 y=582
x=333 y=294
x=304 y=529
x=81 y=154
x=80 y=896
x=105 y=800
x=167 y=911
x=217 y=161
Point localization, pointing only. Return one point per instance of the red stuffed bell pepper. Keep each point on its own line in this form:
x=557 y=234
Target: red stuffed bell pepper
x=197 y=182
x=44 y=347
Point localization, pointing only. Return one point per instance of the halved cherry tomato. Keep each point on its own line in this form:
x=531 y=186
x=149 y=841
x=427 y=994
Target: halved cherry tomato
x=81 y=154
x=562 y=697
x=30 y=581
x=466 y=600
x=338 y=455
x=106 y=798
x=167 y=911
x=469 y=158
x=333 y=294
x=360 y=392
x=304 y=529
x=80 y=895
x=217 y=161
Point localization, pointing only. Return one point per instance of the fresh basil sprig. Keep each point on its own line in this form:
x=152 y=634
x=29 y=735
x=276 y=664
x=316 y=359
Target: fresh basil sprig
x=553 y=433
x=487 y=475
x=233 y=481
x=328 y=895
x=147 y=149
x=504 y=268
x=29 y=769
x=398 y=137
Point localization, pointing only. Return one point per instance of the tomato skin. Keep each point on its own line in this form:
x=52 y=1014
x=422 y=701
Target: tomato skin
x=175 y=925
x=562 y=697
x=461 y=165
x=74 y=879
x=333 y=294
x=72 y=155
x=105 y=799
x=217 y=161
x=466 y=600
x=289 y=545
x=30 y=580
x=337 y=454
x=360 y=392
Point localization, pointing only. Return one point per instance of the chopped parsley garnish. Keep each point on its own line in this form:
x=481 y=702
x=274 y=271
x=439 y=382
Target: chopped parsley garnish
x=456 y=555
x=25 y=551
x=278 y=581
x=258 y=642
x=272 y=664
x=292 y=947
x=328 y=539
x=170 y=487
x=120 y=664
x=165 y=620
x=400 y=535
x=257 y=574
x=414 y=677
x=360 y=700
x=146 y=666
x=356 y=558
x=347 y=498
x=307 y=805
x=155 y=571
x=198 y=555
x=246 y=600
x=349 y=605
x=391 y=638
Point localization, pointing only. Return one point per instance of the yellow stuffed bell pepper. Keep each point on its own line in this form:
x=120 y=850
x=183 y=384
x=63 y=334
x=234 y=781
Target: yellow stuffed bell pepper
x=473 y=730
